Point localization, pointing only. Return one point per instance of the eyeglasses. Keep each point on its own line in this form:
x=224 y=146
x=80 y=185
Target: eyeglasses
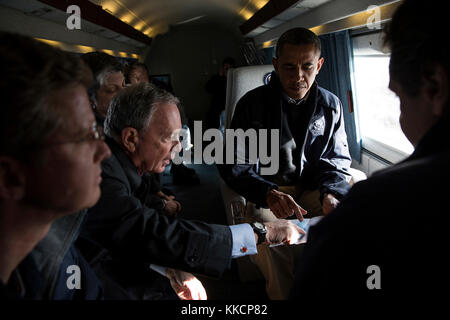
x=95 y=134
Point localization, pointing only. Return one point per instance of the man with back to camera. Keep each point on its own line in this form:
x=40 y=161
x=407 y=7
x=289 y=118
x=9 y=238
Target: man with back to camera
x=314 y=157
x=388 y=240
x=142 y=126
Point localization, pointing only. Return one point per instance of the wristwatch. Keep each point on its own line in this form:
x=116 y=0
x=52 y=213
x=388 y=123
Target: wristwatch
x=260 y=229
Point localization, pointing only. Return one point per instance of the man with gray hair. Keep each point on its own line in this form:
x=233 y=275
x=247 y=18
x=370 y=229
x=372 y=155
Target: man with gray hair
x=142 y=127
x=108 y=81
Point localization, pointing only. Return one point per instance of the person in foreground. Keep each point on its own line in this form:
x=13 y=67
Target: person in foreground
x=388 y=238
x=50 y=155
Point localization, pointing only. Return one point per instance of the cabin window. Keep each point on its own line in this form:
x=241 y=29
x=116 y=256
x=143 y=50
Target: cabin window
x=378 y=107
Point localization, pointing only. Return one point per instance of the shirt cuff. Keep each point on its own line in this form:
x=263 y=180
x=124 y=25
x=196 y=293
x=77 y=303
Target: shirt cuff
x=243 y=240
x=159 y=269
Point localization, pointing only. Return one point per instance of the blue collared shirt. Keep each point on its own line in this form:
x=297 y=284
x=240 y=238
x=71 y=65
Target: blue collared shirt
x=244 y=244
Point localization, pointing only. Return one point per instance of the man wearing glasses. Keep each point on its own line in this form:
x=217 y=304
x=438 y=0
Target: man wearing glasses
x=50 y=155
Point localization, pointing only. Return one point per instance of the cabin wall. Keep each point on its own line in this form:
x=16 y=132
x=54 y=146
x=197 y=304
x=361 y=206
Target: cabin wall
x=369 y=164
x=15 y=21
x=191 y=54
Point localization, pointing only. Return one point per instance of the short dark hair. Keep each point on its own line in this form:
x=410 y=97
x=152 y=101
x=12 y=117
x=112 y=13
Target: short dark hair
x=417 y=36
x=31 y=72
x=134 y=106
x=100 y=64
x=133 y=66
x=297 y=36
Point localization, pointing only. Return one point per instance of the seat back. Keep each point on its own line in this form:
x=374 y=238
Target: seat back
x=239 y=82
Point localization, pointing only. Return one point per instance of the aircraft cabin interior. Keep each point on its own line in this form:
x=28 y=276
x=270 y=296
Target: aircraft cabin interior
x=184 y=44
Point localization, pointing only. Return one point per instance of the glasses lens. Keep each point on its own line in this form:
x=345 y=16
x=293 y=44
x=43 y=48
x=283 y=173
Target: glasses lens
x=98 y=132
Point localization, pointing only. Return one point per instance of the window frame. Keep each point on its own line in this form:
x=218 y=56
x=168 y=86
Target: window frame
x=382 y=150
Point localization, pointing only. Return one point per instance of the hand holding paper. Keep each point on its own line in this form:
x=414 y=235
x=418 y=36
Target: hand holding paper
x=304 y=225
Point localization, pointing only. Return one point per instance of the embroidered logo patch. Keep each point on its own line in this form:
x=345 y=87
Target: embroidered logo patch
x=317 y=126
x=266 y=78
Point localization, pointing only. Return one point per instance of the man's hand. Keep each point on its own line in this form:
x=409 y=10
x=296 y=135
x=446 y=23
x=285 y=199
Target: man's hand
x=164 y=196
x=172 y=208
x=329 y=203
x=283 y=205
x=282 y=231
x=185 y=285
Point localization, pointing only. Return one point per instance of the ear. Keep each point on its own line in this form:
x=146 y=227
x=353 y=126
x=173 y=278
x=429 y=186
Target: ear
x=319 y=64
x=275 y=64
x=130 y=139
x=12 y=179
x=436 y=90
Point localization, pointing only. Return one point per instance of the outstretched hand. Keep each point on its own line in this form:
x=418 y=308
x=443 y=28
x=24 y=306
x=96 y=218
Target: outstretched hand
x=329 y=203
x=186 y=285
x=283 y=205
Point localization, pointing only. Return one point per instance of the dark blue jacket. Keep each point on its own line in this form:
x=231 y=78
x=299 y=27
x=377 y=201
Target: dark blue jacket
x=31 y=279
x=55 y=253
x=396 y=220
x=325 y=157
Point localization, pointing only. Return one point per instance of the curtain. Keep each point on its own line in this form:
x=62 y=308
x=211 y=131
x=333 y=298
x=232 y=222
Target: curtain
x=268 y=54
x=337 y=76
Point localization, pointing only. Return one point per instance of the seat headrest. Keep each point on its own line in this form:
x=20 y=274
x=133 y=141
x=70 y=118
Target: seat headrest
x=242 y=80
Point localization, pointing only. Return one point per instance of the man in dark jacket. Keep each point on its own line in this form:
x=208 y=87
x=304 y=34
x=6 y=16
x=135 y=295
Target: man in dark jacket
x=142 y=125
x=313 y=152
x=138 y=72
x=388 y=238
x=313 y=143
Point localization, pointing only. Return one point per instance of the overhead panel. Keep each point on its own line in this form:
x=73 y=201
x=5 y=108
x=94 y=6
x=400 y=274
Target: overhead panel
x=276 y=12
x=96 y=14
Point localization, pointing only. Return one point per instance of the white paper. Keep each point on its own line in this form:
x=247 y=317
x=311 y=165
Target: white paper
x=304 y=225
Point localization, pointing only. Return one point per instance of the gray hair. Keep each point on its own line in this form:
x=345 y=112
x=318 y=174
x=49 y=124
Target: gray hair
x=134 y=106
x=101 y=65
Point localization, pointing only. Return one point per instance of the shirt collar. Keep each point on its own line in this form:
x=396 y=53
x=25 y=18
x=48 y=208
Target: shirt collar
x=289 y=100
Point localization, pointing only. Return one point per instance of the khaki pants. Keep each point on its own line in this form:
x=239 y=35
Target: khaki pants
x=277 y=263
